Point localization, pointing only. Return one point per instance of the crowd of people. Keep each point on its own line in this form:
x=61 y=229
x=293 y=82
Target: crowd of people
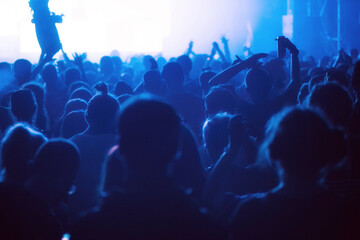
x=195 y=147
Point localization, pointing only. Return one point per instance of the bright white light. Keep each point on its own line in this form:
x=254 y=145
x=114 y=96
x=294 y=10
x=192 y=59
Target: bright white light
x=129 y=26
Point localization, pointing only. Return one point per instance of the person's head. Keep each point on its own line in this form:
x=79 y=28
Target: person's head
x=73 y=123
x=18 y=149
x=186 y=63
x=106 y=66
x=82 y=93
x=153 y=82
x=122 y=88
x=38 y=92
x=315 y=80
x=204 y=80
x=258 y=84
x=335 y=101
x=303 y=143
x=54 y=170
x=23 y=105
x=149 y=132
x=149 y=62
x=220 y=99
x=72 y=74
x=49 y=75
x=215 y=135
x=22 y=71
x=338 y=76
x=174 y=76
x=5 y=66
x=102 y=111
x=276 y=68
x=75 y=104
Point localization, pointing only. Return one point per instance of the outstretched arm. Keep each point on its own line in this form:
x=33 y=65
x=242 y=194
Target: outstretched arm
x=227 y=74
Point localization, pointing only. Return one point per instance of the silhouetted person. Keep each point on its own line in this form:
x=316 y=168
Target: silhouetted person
x=94 y=144
x=55 y=167
x=55 y=94
x=153 y=83
x=148 y=206
x=41 y=119
x=18 y=149
x=22 y=71
x=189 y=106
x=23 y=106
x=301 y=142
x=335 y=101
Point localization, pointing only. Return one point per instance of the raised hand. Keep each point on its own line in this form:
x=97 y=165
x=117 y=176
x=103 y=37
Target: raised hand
x=78 y=60
x=224 y=40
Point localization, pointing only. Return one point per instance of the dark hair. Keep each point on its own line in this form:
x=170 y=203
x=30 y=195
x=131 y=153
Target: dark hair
x=102 y=107
x=149 y=132
x=303 y=141
x=23 y=105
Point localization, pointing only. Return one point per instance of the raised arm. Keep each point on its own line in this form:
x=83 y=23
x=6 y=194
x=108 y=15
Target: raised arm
x=227 y=74
x=295 y=82
x=225 y=42
x=221 y=54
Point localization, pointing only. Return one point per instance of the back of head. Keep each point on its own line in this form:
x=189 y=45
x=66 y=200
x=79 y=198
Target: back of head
x=5 y=66
x=102 y=108
x=22 y=71
x=204 y=80
x=49 y=74
x=220 y=99
x=185 y=62
x=38 y=92
x=153 y=82
x=303 y=142
x=75 y=105
x=258 y=84
x=82 y=93
x=106 y=65
x=72 y=75
x=55 y=167
x=23 y=105
x=149 y=133
x=173 y=75
x=122 y=88
x=334 y=101
x=18 y=150
x=215 y=135
x=73 y=123
x=315 y=80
